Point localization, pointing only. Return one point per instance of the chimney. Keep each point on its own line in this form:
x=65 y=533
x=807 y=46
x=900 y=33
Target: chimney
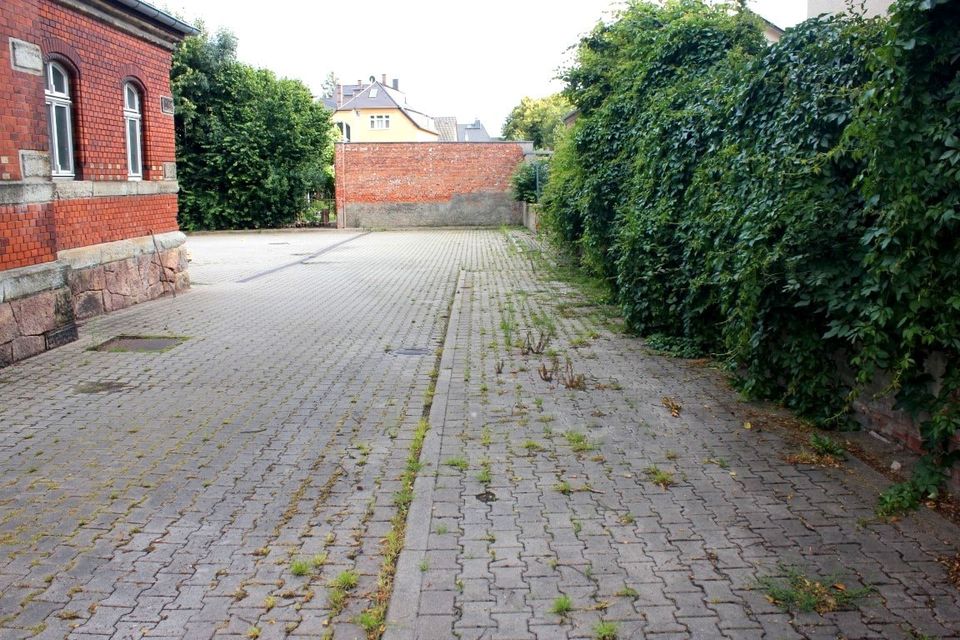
x=396 y=84
x=359 y=84
x=383 y=79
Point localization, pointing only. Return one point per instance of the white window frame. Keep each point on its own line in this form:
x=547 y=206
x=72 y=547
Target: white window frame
x=133 y=114
x=344 y=131
x=380 y=122
x=54 y=99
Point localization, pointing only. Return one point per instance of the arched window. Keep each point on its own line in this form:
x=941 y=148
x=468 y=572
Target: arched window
x=60 y=118
x=133 y=119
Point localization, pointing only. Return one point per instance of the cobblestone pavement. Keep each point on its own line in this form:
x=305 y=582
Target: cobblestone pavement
x=235 y=257
x=178 y=494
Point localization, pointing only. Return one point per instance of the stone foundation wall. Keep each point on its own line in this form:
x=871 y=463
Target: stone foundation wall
x=531 y=217
x=40 y=305
x=117 y=285
x=466 y=210
x=34 y=324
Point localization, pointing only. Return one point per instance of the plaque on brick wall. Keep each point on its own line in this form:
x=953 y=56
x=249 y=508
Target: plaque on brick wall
x=166 y=104
x=26 y=56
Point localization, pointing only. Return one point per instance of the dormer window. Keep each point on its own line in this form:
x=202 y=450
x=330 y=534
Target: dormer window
x=59 y=116
x=133 y=120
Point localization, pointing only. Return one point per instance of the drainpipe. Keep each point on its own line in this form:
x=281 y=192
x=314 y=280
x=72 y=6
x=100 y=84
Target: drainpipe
x=341 y=195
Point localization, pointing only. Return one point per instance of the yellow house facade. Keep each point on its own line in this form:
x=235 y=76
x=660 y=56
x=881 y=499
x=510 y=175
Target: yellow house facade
x=380 y=125
x=379 y=113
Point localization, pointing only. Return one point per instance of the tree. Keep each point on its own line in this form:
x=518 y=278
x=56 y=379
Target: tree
x=250 y=146
x=329 y=85
x=538 y=120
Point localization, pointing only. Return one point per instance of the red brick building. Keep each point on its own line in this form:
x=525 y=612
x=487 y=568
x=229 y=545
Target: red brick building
x=88 y=190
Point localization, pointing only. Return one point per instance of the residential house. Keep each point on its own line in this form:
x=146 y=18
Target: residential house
x=473 y=132
x=452 y=131
x=378 y=112
x=88 y=189
x=771 y=32
x=447 y=128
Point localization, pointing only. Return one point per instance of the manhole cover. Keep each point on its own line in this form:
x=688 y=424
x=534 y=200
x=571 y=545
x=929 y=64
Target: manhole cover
x=487 y=496
x=139 y=344
x=411 y=351
x=102 y=386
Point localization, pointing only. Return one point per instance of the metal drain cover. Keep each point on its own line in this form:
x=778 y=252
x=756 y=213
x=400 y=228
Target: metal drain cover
x=411 y=351
x=140 y=344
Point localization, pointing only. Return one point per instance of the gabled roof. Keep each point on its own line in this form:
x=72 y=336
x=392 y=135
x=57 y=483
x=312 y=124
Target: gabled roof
x=771 y=32
x=474 y=132
x=447 y=127
x=380 y=96
x=374 y=96
x=422 y=120
x=342 y=93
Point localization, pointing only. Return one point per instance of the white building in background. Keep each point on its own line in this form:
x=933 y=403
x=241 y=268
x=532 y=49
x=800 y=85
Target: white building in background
x=873 y=7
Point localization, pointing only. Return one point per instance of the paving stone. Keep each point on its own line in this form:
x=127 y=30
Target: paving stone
x=172 y=503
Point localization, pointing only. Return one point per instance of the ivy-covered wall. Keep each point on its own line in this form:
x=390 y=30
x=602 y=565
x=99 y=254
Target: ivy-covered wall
x=781 y=207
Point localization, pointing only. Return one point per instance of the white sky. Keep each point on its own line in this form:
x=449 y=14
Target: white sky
x=470 y=60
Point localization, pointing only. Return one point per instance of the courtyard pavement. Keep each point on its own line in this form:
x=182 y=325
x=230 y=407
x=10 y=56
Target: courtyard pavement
x=223 y=487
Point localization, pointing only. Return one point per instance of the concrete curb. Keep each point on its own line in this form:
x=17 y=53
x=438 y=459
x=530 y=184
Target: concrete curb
x=408 y=582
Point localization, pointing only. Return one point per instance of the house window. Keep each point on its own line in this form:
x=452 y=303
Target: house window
x=379 y=122
x=344 y=131
x=133 y=119
x=59 y=107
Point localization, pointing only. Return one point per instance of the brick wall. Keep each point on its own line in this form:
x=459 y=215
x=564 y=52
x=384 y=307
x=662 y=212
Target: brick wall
x=89 y=221
x=388 y=181
x=102 y=57
x=423 y=171
x=26 y=235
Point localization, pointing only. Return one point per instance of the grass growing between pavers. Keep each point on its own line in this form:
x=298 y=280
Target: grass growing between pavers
x=373 y=619
x=798 y=592
x=562 y=606
x=605 y=631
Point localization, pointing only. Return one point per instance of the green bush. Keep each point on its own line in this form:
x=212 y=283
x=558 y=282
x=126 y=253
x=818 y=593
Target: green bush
x=528 y=180
x=250 y=146
x=793 y=207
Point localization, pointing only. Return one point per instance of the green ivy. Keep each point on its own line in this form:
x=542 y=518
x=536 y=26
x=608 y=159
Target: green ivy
x=792 y=208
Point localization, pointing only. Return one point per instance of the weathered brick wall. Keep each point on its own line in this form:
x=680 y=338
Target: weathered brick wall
x=61 y=227
x=26 y=235
x=21 y=100
x=102 y=58
x=425 y=183
x=89 y=221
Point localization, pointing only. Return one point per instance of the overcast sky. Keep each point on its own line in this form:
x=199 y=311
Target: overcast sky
x=465 y=59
